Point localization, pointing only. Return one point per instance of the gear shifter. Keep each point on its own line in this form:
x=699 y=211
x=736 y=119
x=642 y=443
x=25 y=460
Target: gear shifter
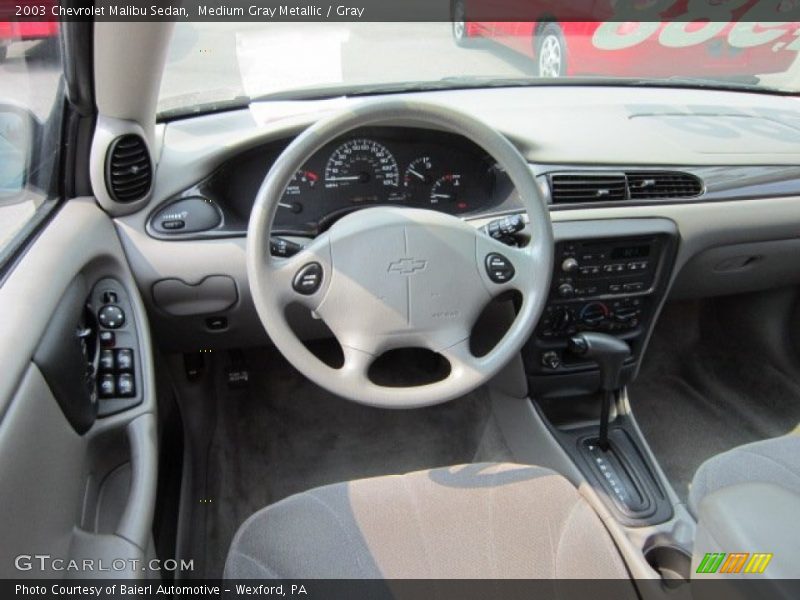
x=610 y=354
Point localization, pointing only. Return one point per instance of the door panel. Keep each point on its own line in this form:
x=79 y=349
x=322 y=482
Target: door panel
x=56 y=469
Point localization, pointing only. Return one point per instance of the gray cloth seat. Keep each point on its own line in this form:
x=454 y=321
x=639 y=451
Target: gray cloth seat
x=746 y=501
x=775 y=461
x=473 y=521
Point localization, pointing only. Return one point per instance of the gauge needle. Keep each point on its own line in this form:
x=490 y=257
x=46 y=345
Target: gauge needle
x=419 y=175
x=441 y=196
x=347 y=178
x=284 y=205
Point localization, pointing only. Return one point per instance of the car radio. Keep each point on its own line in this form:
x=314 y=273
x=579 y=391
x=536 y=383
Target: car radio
x=589 y=268
x=605 y=285
x=597 y=286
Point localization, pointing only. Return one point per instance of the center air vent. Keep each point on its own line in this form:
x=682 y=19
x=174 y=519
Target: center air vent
x=587 y=187
x=648 y=185
x=580 y=187
x=128 y=170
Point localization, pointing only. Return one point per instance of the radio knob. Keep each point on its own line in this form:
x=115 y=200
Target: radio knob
x=565 y=290
x=569 y=265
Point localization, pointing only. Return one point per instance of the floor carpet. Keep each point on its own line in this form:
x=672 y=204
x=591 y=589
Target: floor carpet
x=705 y=388
x=282 y=435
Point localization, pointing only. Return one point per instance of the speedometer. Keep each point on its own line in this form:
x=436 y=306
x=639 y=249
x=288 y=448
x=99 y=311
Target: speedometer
x=363 y=164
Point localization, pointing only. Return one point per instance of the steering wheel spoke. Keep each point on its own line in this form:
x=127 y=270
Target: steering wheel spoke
x=463 y=364
x=355 y=369
x=304 y=277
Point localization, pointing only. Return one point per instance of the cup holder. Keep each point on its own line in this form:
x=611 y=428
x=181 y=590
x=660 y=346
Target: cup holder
x=673 y=563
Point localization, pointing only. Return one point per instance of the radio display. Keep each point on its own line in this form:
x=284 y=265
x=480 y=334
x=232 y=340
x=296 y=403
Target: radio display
x=630 y=252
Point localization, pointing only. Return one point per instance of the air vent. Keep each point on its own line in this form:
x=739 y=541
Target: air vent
x=650 y=185
x=587 y=187
x=128 y=171
x=593 y=186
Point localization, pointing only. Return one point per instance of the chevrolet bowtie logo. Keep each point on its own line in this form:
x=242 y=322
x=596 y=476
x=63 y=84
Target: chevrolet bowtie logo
x=407 y=266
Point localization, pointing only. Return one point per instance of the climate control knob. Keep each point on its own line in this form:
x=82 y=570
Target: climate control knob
x=594 y=314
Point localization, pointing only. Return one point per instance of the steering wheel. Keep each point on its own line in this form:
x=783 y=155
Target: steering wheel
x=384 y=278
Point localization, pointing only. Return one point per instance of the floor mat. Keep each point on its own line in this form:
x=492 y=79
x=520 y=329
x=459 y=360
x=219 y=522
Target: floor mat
x=704 y=389
x=284 y=435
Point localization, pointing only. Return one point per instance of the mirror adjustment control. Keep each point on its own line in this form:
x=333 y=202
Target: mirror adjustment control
x=308 y=279
x=499 y=268
x=111 y=316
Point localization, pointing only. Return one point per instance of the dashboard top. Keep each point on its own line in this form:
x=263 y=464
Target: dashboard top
x=560 y=125
x=735 y=142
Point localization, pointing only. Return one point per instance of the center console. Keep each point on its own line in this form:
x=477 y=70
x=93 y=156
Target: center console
x=609 y=277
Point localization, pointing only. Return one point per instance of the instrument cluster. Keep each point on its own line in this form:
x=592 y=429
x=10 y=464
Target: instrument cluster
x=389 y=166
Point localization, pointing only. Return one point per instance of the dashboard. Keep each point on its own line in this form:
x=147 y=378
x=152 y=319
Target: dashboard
x=409 y=167
x=739 y=235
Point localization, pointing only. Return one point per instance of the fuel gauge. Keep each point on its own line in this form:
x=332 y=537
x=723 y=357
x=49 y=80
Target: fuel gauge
x=446 y=190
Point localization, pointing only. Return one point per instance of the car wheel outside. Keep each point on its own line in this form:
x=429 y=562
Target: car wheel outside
x=551 y=52
x=459 y=25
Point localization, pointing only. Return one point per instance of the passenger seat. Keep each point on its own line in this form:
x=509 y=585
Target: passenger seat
x=747 y=501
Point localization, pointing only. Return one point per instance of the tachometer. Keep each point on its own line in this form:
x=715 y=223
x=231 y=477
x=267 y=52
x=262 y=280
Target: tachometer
x=363 y=164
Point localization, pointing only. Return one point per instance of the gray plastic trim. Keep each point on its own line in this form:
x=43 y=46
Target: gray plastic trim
x=80 y=241
x=137 y=520
x=107 y=130
x=214 y=294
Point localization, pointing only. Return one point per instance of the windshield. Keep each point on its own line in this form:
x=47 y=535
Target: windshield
x=211 y=65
